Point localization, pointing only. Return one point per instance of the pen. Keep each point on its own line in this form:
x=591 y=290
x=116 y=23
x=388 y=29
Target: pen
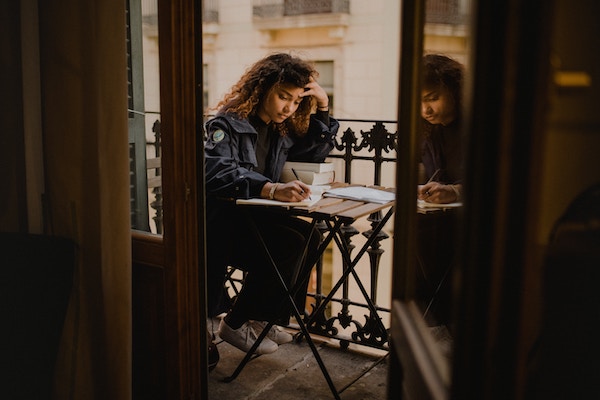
x=298 y=178
x=295 y=174
x=430 y=179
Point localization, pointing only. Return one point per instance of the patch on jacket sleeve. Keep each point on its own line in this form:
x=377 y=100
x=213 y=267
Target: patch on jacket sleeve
x=218 y=135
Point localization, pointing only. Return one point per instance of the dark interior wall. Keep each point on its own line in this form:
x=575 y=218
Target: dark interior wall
x=573 y=137
x=13 y=204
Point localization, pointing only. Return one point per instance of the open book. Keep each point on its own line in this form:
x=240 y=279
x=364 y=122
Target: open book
x=425 y=204
x=361 y=193
x=277 y=203
x=315 y=195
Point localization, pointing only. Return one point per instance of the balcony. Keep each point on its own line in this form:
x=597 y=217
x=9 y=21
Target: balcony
x=447 y=12
x=279 y=8
x=289 y=14
x=349 y=334
x=210 y=11
x=364 y=153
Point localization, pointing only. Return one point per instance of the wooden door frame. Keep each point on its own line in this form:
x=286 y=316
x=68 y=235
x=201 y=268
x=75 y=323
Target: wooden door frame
x=174 y=263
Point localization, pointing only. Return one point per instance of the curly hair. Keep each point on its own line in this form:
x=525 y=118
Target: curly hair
x=441 y=71
x=245 y=97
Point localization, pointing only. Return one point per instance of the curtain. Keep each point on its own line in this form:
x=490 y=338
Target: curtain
x=84 y=103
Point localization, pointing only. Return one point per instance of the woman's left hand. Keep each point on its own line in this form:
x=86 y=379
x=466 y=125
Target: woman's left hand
x=315 y=90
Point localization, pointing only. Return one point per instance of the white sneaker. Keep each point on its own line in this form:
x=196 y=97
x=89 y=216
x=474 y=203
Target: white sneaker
x=275 y=333
x=244 y=337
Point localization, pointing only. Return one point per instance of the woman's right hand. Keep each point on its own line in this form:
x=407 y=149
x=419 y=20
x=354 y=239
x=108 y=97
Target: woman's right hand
x=291 y=191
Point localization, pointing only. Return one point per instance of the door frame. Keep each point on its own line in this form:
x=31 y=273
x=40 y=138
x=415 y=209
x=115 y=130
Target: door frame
x=506 y=96
x=172 y=265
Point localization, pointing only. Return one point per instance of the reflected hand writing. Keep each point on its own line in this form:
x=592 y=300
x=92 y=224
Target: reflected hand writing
x=435 y=192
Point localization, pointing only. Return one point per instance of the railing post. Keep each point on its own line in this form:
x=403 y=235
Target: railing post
x=344 y=316
x=320 y=319
x=371 y=332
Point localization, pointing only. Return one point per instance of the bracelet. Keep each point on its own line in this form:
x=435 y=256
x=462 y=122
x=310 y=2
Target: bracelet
x=272 y=191
x=456 y=192
x=326 y=108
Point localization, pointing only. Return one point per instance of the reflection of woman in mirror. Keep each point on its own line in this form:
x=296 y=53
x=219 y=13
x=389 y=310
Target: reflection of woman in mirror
x=441 y=153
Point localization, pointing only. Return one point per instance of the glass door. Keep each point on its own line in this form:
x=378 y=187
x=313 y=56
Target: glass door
x=435 y=38
x=144 y=116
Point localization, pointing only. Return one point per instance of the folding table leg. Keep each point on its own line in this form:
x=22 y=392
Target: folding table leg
x=350 y=270
x=249 y=355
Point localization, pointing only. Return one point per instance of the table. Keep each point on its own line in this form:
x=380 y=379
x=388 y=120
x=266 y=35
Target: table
x=334 y=213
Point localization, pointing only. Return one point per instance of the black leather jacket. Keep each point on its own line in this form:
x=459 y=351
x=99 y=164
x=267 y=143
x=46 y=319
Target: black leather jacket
x=230 y=154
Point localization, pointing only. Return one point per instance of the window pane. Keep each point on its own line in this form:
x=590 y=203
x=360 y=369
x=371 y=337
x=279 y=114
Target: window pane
x=144 y=116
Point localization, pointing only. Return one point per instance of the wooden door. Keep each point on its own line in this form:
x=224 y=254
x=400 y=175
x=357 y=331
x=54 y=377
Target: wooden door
x=168 y=286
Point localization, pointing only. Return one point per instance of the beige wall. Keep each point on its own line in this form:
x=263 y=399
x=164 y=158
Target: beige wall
x=363 y=45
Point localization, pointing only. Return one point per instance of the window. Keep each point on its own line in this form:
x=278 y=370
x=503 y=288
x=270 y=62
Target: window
x=325 y=69
x=144 y=116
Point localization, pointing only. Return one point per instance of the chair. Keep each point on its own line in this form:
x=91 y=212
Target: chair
x=36 y=275
x=564 y=360
x=290 y=292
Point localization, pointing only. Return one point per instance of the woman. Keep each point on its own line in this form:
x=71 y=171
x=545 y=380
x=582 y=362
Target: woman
x=441 y=142
x=441 y=155
x=276 y=112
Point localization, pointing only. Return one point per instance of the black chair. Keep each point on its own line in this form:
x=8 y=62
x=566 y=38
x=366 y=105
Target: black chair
x=290 y=293
x=36 y=276
x=564 y=360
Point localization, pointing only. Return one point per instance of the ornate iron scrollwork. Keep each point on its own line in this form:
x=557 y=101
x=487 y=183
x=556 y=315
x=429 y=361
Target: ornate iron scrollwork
x=376 y=142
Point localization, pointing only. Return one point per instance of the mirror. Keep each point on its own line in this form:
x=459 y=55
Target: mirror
x=441 y=147
x=441 y=155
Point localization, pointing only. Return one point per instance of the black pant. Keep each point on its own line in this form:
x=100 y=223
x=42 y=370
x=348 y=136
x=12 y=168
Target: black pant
x=262 y=297
x=436 y=247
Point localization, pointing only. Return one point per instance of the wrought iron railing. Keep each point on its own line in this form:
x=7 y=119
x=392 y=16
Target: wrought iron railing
x=449 y=12
x=374 y=146
x=210 y=11
x=372 y=143
x=364 y=153
x=154 y=180
x=281 y=8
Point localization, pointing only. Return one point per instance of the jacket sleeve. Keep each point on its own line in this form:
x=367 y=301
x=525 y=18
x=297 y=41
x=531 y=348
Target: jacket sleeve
x=227 y=175
x=316 y=145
